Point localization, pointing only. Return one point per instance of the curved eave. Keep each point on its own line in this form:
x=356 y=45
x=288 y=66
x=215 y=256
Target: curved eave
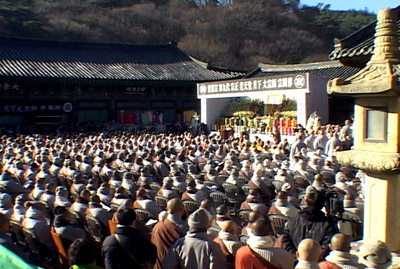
x=105 y=82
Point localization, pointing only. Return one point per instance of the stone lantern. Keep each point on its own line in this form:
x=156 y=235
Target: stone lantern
x=376 y=90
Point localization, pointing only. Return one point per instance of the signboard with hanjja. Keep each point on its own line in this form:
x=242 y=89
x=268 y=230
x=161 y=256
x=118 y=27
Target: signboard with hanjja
x=284 y=82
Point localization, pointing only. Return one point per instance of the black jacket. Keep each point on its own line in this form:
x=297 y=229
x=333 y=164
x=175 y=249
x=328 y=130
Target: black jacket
x=309 y=223
x=115 y=256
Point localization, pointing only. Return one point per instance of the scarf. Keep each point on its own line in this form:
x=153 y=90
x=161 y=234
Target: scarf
x=262 y=246
x=307 y=265
x=341 y=258
x=256 y=241
x=227 y=236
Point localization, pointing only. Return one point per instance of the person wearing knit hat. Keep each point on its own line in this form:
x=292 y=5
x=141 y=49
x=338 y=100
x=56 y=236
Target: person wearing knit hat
x=11 y=186
x=120 y=196
x=81 y=203
x=195 y=250
x=39 y=189
x=96 y=210
x=375 y=254
x=166 y=189
x=35 y=221
x=6 y=205
x=44 y=172
x=19 y=207
x=104 y=193
x=63 y=224
x=62 y=197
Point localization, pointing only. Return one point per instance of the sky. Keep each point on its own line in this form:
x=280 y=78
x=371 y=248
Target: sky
x=372 y=5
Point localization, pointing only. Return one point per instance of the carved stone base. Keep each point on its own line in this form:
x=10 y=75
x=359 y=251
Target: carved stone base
x=370 y=161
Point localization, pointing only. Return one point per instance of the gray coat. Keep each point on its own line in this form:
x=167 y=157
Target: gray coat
x=195 y=250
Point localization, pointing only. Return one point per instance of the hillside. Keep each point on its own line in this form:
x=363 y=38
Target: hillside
x=237 y=35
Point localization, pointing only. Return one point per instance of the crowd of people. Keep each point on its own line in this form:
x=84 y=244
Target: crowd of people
x=124 y=199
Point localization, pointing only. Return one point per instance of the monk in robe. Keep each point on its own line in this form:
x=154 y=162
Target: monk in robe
x=229 y=242
x=166 y=232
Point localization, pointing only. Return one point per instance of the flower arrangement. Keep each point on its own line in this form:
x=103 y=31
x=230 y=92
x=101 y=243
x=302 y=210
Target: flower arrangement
x=247 y=114
x=285 y=114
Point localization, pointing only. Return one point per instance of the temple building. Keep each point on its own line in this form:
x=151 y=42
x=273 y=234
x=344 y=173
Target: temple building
x=357 y=48
x=48 y=82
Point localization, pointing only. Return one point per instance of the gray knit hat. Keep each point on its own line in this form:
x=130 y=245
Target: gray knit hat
x=375 y=254
x=198 y=220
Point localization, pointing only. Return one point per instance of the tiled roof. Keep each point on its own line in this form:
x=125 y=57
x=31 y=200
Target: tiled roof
x=329 y=69
x=45 y=59
x=359 y=43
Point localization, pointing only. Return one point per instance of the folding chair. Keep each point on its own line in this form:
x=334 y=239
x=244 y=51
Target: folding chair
x=278 y=222
x=96 y=230
x=39 y=253
x=242 y=180
x=177 y=191
x=355 y=223
x=17 y=232
x=218 y=197
x=243 y=215
x=277 y=184
x=161 y=201
x=112 y=226
x=62 y=248
x=247 y=188
x=300 y=181
x=230 y=189
x=190 y=206
x=144 y=215
x=210 y=184
x=155 y=187
x=223 y=177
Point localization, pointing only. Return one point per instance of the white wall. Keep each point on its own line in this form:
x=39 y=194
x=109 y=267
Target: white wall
x=211 y=109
